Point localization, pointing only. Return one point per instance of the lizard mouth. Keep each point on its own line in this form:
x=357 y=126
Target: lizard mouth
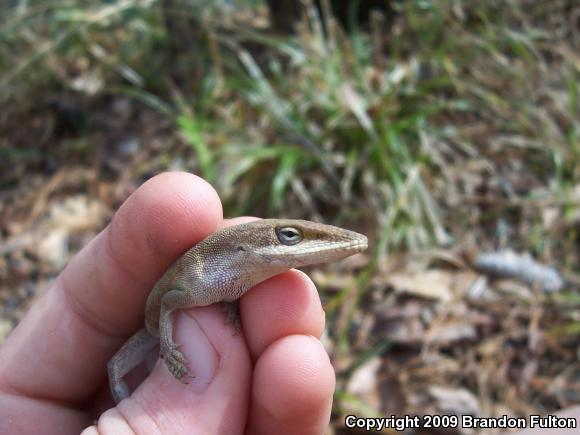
x=316 y=252
x=356 y=242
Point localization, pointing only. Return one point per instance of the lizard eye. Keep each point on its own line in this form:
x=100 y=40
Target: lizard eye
x=289 y=235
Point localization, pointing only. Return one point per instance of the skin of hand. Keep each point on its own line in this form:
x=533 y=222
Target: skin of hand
x=273 y=377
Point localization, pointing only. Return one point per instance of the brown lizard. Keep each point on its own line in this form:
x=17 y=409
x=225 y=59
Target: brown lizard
x=221 y=268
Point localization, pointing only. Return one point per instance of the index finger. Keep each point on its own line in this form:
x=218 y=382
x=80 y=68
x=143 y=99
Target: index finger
x=61 y=347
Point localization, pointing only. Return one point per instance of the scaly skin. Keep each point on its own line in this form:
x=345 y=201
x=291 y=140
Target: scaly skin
x=222 y=268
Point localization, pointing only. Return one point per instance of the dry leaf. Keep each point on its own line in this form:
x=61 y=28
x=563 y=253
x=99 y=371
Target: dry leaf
x=431 y=284
x=364 y=383
x=53 y=248
x=74 y=215
x=5 y=328
x=451 y=332
x=364 y=378
x=457 y=401
x=77 y=214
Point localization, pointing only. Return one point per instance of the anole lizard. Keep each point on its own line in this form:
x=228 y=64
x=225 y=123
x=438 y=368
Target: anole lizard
x=221 y=268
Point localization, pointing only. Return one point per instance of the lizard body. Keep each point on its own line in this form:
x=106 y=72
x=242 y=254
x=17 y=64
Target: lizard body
x=221 y=268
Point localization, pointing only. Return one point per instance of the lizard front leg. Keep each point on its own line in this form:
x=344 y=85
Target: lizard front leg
x=168 y=349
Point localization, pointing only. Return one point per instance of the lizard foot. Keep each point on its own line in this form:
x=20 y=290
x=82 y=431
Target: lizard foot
x=232 y=311
x=176 y=363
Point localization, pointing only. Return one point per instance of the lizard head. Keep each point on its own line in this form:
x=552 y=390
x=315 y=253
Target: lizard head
x=287 y=243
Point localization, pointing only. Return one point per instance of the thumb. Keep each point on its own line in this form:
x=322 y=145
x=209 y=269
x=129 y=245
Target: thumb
x=215 y=399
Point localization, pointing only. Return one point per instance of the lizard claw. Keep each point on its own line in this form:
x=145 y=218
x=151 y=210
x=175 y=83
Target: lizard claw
x=232 y=311
x=176 y=363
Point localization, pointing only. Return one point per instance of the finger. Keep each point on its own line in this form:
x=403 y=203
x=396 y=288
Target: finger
x=24 y=415
x=214 y=400
x=283 y=305
x=60 y=349
x=299 y=368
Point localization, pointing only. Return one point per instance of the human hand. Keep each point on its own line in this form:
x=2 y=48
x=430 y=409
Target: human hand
x=273 y=378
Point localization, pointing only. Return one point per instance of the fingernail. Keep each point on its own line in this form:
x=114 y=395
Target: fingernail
x=202 y=358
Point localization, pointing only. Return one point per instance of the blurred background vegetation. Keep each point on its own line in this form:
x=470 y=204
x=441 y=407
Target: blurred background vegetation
x=440 y=128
